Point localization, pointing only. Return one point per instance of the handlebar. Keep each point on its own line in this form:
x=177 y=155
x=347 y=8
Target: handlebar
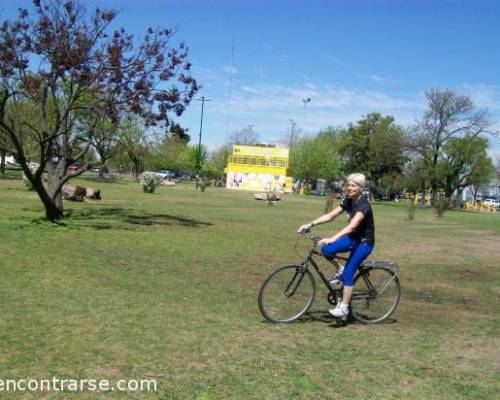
x=307 y=233
x=313 y=237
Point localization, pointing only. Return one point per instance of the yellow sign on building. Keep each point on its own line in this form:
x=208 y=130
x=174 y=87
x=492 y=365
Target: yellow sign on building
x=258 y=168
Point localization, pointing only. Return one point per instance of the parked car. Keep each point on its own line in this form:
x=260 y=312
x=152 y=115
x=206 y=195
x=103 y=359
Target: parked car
x=75 y=167
x=165 y=174
x=491 y=203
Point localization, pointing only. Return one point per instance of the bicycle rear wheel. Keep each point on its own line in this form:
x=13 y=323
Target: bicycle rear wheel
x=287 y=293
x=376 y=295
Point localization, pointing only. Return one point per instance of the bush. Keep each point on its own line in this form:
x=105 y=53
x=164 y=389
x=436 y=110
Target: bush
x=441 y=207
x=329 y=202
x=202 y=183
x=411 y=210
x=150 y=181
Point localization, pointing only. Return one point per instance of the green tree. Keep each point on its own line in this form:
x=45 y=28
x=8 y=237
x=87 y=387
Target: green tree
x=375 y=147
x=134 y=144
x=449 y=116
x=465 y=163
x=169 y=153
x=217 y=161
x=105 y=140
x=317 y=157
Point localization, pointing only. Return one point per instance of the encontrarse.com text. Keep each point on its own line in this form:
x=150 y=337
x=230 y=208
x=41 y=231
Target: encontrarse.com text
x=76 y=385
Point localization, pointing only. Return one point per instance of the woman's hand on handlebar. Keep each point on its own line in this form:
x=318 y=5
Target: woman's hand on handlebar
x=304 y=228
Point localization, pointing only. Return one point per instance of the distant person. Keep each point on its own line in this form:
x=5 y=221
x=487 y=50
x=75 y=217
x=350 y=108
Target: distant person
x=358 y=237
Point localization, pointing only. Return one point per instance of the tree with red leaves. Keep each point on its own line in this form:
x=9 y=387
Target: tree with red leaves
x=66 y=63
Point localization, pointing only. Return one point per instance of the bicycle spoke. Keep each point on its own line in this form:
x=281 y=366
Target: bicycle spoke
x=287 y=294
x=300 y=274
x=375 y=296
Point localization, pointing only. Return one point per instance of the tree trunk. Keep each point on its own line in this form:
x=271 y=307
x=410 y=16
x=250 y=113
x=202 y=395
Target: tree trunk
x=101 y=168
x=137 y=167
x=136 y=163
x=53 y=181
x=434 y=180
x=422 y=190
x=52 y=211
x=2 y=161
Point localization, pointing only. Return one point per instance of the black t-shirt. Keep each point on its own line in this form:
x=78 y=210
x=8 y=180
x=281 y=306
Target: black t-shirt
x=365 y=231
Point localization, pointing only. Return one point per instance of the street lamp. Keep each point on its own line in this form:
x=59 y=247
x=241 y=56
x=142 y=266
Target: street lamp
x=292 y=132
x=306 y=101
x=198 y=157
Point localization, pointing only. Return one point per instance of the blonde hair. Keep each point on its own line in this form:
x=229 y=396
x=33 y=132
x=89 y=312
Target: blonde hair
x=358 y=179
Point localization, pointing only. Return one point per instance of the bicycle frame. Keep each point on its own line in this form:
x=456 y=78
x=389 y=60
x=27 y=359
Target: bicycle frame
x=309 y=260
x=364 y=267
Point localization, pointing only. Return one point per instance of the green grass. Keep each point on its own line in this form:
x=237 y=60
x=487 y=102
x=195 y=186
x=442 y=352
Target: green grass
x=166 y=284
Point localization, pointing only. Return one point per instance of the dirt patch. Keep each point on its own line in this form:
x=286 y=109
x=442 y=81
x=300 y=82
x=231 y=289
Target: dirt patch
x=476 y=232
x=466 y=353
x=437 y=297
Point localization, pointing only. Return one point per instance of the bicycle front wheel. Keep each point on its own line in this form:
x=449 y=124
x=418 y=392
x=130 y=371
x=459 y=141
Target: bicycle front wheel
x=375 y=296
x=287 y=293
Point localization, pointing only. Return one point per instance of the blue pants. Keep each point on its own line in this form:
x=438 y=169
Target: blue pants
x=359 y=251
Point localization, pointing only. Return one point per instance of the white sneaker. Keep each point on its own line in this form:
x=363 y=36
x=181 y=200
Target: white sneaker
x=335 y=279
x=340 y=312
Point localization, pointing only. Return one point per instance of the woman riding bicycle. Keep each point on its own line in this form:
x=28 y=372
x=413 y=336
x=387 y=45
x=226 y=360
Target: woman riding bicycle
x=358 y=237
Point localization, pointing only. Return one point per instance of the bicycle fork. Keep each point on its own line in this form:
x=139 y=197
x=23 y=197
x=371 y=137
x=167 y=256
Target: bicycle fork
x=295 y=282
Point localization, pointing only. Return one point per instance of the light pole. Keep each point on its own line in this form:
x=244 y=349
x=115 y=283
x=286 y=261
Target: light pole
x=198 y=157
x=306 y=101
x=292 y=133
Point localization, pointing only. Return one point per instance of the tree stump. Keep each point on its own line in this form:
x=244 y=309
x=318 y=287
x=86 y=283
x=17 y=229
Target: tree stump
x=80 y=193
x=93 y=193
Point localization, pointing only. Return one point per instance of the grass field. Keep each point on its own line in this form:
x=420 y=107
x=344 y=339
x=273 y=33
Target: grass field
x=165 y=286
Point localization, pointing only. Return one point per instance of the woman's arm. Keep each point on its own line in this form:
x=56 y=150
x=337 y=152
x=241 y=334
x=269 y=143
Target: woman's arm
x=321 y=220
x=351 y=227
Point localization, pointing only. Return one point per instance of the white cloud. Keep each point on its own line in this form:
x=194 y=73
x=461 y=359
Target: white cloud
x=231 y=70
x=270 y=106
x=263 y=98
x=377 y=78
x=484 y=95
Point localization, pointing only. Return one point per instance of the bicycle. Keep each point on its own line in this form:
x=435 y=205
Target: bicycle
x=289 y=291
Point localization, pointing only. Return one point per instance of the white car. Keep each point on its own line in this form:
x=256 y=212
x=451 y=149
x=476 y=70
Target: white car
x=492 y=203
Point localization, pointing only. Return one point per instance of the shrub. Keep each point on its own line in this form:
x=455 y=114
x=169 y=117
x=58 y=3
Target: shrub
x=202 y=183
x=411 y=210
x=441 y=206
x=329 y=202
x=150 y=181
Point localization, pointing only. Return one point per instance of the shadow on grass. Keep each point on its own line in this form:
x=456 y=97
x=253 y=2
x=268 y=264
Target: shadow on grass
x=440 y=296
x=325 y=317
x=115 y=217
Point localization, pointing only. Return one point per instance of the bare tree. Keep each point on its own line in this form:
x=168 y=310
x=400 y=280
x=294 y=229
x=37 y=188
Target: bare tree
x=67 y=65
x=245 y=136
x=291 y=138
x=449 y=115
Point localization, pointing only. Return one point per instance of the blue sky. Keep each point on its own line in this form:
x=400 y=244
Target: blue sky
x=350 y=57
